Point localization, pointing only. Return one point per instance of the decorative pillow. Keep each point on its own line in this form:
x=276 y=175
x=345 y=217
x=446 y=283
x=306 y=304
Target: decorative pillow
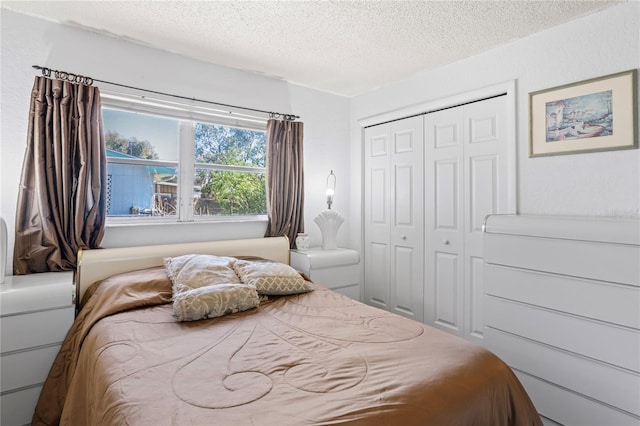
x=214 y=301
x=271 y=278
x=199 y=270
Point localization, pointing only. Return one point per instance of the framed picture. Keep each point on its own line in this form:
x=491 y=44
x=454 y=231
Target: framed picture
x=587 y=116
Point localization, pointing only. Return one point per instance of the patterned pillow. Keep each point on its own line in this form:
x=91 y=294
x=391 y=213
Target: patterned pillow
x=214 y=301
x=199 y=270
x=271 y=278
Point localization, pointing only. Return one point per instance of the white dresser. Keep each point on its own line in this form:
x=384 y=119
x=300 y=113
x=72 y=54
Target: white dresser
x=337 y=269
x=562 y=308
x=36 y=312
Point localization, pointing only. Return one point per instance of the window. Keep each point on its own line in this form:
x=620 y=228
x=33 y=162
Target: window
x=181 y=163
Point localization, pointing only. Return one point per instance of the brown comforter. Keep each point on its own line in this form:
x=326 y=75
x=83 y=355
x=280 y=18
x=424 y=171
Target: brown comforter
x=316 y=358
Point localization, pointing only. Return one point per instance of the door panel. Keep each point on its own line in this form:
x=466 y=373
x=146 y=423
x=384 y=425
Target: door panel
x=377 y=216
x=443 y=220
x=404 y=300
x=476 y=281
x=405 y=138
x=482 y=127
x=379 y=144
x=465 y=180
x=447 y=295
x=377 y=283
x=404 y=190
x=446 y=195
x=407 y=230
x=485 y=192
x=379 y=198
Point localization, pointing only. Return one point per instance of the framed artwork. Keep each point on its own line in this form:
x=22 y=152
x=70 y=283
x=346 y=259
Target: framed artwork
x=592 y=115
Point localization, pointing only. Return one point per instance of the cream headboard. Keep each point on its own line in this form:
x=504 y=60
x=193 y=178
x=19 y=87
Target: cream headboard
x=94 y=265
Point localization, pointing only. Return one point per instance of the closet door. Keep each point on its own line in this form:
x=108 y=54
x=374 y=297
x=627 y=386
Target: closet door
x=407 y=218
x=393 y=213
x=485 y=192
x=377 y=215
x=465 y=180
x=444 y=220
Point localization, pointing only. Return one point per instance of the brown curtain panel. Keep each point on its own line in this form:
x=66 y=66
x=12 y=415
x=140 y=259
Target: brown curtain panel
x=62 y=195
x=285 y=179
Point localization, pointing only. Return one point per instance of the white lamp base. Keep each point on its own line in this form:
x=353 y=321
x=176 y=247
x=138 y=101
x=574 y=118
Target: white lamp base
x=329 y=222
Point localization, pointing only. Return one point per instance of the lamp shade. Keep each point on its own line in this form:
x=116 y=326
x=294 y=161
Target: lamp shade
x=331 y=189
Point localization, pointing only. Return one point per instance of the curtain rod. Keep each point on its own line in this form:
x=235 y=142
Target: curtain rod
x=81 y=79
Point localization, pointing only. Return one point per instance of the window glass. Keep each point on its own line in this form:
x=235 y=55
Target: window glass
x=150 y=159
x=138 y=182
x=222 y=192
x=140 y=135
x=229 y=176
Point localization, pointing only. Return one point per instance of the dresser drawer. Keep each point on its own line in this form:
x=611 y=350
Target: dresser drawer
x=597 y=380
x=570 y=408
x=35 y=329
x=27 y=368
x=339 y=276
x=601 y=341
x=350 y=291
x=16 y=408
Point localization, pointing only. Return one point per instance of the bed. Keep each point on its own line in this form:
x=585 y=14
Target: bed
x=310 y=358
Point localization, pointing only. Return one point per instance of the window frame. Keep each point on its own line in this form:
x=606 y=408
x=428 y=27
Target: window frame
x=187 y=115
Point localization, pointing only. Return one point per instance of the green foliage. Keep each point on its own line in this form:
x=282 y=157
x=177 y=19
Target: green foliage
x=230 y=192
x=131 y=146
x=230 y=146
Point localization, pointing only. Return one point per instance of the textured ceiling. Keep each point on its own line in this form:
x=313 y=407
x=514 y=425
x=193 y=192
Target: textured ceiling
x=343 y=47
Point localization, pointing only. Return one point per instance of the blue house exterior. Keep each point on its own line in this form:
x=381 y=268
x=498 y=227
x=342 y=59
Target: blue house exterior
x=130 y=187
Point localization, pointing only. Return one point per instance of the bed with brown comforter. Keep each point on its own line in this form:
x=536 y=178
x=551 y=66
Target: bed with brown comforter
x=313 y=358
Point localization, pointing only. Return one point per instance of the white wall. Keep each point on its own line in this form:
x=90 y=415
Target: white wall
x=594 y=184
x=606 y=183
x=27 y=41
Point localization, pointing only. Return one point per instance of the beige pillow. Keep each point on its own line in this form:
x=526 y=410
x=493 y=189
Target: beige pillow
x=199 y=270
x=271 y=278
x=214 y=301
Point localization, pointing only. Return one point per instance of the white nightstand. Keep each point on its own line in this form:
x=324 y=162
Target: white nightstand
x=337 y=269
x=36 y=312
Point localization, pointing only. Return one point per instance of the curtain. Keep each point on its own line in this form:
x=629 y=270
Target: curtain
x=285 y=179
x=62 y=195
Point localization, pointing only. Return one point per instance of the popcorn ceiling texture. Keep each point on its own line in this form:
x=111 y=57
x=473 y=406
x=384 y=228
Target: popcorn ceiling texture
x=344 y=47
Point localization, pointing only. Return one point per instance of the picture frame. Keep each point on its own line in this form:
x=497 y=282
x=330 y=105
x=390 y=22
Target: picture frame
x=593 y=115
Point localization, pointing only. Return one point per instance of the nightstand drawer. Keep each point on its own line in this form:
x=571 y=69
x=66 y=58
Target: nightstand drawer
x=27 y=368
x=35 y=329
x=36 y=292
x=17 y=408
x=339 y=276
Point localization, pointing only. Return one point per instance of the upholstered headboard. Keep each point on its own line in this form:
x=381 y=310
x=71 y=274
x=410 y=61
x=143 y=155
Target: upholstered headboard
x=94 y=265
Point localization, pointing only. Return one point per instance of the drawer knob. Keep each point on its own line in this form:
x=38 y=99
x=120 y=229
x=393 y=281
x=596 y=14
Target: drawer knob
x=404 y=237
x=445 y=242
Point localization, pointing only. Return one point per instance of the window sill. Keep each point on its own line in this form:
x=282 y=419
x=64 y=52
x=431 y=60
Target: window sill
x=146 y=221
x=152 y=232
